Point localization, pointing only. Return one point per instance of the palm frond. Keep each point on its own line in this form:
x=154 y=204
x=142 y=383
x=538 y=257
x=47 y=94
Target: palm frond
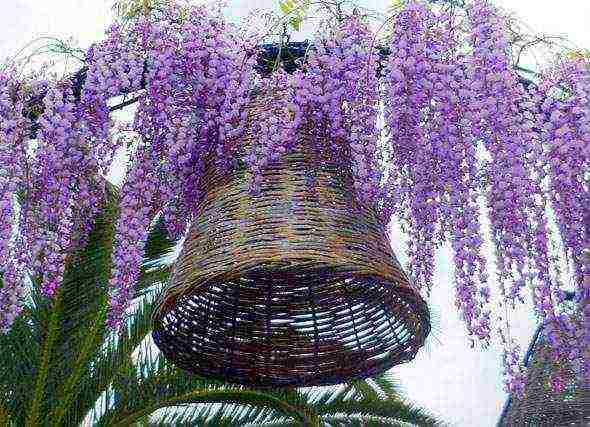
x=117 y=350
x=18 y=366
x=391 y=409
x=363 y=390
x=281 y=423
x=234 y=414
x=150 y=277
x=201 y=415
x=38 y=403
x=151 y=399
x=362 y=421
x=161 y=385
x=84 y=294
x=387 y=385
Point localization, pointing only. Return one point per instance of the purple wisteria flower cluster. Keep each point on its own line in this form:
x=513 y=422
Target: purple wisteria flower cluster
x=434 y=181
x=462 y=136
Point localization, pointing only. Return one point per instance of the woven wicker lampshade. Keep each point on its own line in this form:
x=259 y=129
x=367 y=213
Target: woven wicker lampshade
x=540 y=406
x=297 y=286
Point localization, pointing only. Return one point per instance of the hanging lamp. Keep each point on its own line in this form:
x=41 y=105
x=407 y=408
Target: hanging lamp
x=540 y=405
x=296 y=286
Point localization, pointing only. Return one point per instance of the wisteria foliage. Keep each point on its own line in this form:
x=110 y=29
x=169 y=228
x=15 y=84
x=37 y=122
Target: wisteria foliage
x=462 y=134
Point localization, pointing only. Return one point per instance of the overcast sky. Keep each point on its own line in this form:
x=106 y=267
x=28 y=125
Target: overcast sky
x=461 y=385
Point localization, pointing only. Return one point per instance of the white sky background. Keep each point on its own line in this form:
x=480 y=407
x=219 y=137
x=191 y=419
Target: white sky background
x=461 y=385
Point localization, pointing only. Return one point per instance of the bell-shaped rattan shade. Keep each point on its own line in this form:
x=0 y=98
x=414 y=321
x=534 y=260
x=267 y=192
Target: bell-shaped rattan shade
x=540 y=406
x=296 y=286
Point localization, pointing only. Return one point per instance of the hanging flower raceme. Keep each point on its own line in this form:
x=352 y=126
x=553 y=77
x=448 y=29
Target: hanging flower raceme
x=563 y=115
x=433 y=177
x=53 y=176
x=13 y=129
x=197 y=77
x=514 y=372
x=515 y=199
x=407 y=96
x=499 y=120
x=340 y=92
x=274 y=125
x=515 y=175
x=361 y=92
x=115 y=67
x=6 y=215
x=200 y=98
x=321 y=93
x=453 y=148
x=140 y=199
x=13 y=291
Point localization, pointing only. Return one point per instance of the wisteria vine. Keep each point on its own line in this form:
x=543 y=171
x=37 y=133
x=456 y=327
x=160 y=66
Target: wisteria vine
x=461 y=133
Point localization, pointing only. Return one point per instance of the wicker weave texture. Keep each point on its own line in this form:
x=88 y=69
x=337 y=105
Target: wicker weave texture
x=541 y=406
x=296 y=286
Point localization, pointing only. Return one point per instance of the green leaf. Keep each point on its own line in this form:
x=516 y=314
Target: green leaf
x=37 y=400
x=397 y=4
x=286 y=6
x=150 y=400
x=392 y=409
x=295 y=22
x=158 y=244
x=115 y=354
x=20 y=355
x=387 y=385
x=295 y=11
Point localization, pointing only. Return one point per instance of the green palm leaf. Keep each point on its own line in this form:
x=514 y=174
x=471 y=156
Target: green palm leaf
x=18 y=366
x=391 y=409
